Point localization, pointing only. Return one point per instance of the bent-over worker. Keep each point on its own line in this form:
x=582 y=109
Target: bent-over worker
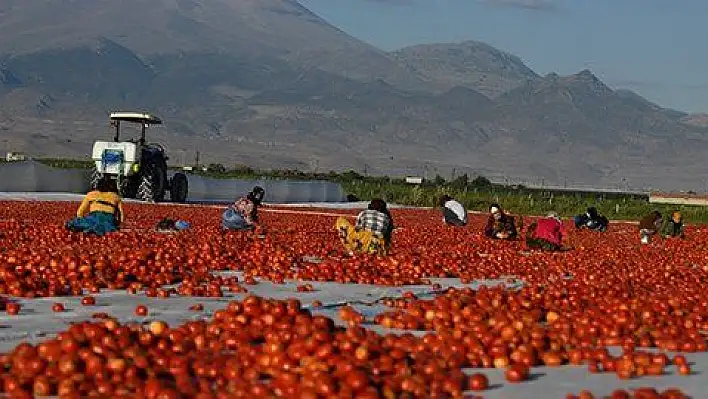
x=101 y=210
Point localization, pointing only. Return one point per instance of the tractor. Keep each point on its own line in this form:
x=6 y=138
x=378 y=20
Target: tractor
x=140 y=168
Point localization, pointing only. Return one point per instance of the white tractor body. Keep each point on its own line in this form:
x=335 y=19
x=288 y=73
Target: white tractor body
x=116 y=158
x=139 y=167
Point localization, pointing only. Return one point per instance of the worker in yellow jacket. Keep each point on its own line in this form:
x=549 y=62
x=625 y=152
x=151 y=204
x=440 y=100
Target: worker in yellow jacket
x=101 y=211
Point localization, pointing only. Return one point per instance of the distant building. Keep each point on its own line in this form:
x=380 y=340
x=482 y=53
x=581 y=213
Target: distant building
x=414 y=180
x=678 y=199
x=14 y=156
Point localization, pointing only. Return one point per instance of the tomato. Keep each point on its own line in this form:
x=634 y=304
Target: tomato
x=88 y=301
x=477 y=382
x=12 y=308
x=516 y=373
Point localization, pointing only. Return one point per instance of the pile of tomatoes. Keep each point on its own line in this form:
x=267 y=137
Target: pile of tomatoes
x=533 y=326
x=607 y=291
x=257 y=347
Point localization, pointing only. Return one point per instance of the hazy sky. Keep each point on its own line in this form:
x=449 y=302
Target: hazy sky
x=654 y=47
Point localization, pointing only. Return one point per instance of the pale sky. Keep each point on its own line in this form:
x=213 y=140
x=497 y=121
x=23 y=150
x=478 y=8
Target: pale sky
x=654 y=47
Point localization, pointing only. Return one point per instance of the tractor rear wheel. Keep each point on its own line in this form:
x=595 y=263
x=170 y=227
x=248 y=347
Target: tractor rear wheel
x=152 y=187
x=179 y=188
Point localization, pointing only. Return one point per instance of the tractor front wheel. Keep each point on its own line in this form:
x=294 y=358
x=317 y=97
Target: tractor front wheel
x=129 y=187
x=95 y=177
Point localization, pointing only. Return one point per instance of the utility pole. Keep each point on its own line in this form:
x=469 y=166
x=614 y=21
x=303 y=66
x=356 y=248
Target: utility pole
x=196 y=160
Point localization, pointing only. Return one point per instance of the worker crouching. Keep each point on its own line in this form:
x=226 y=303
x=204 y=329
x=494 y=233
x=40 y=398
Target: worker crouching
x=649 y=226
x=243 y=213
x=101 y=211
x=591 y=220
x=546 y=233
x=371 y=234
x=673 y=226
x=500 y=225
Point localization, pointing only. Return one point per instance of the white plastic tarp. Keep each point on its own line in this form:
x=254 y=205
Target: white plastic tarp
x=277 y=191
x=32 y=176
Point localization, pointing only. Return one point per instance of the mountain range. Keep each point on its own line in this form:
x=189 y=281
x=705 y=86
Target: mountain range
x=270 y=84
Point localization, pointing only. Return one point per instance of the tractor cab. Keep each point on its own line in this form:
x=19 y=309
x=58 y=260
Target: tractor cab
x=145 y=120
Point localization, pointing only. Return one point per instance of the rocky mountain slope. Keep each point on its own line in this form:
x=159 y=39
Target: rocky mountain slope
x=270 y=84
x=469 y=64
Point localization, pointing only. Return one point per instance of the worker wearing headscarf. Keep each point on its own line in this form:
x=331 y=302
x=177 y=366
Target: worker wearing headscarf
x=243 y=213
x=673 y=227
x=591 y=220
x=499 y=224
x=371 y=232
x=101 y=211
x=546 y=233
x=454 y=213
x=649 y=226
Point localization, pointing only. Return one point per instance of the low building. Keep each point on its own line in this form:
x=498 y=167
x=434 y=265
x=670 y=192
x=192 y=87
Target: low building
x=678 y=199
x=14 y=157
x=414 y=180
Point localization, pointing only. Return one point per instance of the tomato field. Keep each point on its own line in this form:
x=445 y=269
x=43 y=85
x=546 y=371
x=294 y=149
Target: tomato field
x=255 y=313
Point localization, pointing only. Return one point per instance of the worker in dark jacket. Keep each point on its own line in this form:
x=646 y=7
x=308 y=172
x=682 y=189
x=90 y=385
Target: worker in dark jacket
x=499 y=224
x=673 y=227
x=591 y=220
x=649 y=226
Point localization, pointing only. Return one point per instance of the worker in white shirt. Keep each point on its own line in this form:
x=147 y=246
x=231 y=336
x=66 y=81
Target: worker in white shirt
x=454 y=213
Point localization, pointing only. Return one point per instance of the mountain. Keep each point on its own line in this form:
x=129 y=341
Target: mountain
x=8 y=80
x=591 y=131
x=270 y=84
x=471 y=64
x=243 y=29
x=631 y=95
x=698 y=120
x=581 y=102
